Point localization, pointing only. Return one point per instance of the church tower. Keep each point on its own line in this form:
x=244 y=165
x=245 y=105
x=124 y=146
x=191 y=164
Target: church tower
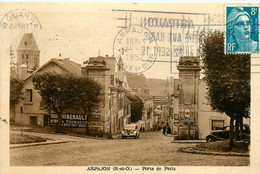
x=28 y=55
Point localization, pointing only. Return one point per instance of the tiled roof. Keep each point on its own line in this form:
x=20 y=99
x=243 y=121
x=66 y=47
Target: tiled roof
x=28 y=43
x=144 y=95
x=66 y=64
x=69 y=65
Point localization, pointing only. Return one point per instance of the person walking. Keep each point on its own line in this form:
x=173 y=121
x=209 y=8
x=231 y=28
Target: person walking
x=164 y=130
x=169 y=131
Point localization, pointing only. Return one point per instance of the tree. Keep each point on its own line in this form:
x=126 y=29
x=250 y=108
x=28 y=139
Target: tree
x=137 y=107
x=228 y=79
x=61 y=92
x=56 y=91
x=13 y=65
x=16 y=91
x=88 y=94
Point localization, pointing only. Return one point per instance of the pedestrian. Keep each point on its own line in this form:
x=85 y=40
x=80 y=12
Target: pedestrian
x=164 y=130
x=143 y=129
x=169 y=131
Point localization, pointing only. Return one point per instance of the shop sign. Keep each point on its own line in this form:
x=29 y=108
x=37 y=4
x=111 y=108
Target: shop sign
x=70 y=120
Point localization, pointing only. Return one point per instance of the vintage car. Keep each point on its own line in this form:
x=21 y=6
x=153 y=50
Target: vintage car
x=130 y=130
x=223 y=133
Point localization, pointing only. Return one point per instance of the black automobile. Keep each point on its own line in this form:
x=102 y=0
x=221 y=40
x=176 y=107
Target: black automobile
x=222 y=133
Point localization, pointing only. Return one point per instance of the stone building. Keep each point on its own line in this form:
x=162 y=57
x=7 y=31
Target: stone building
x=113 y=112
x=162 y=111
x=28 y=55
x=108 y=116
x=137 y=86
x=193 y=117
x=29 y=112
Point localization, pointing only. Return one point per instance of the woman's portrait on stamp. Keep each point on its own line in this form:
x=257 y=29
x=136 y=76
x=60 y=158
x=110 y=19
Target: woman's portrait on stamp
x=240 y=31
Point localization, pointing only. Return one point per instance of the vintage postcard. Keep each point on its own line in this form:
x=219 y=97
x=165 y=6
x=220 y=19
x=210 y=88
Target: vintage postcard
x=129 y=87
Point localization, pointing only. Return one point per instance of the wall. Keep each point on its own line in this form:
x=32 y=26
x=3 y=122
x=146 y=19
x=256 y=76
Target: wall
x=33 y=108
x=206 y=115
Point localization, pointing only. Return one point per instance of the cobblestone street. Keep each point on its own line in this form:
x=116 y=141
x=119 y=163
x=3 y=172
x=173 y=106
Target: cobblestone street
x=152 y=149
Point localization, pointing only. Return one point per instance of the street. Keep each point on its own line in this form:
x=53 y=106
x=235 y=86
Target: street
x=152 y=149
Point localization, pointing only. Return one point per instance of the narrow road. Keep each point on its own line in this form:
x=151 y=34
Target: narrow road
x=152 y=149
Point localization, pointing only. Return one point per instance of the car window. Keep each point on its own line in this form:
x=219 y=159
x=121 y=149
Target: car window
x=227 y=128
x=130 y=127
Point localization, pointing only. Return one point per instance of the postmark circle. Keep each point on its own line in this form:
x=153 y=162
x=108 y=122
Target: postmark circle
x=20 y=19
x=136 y=47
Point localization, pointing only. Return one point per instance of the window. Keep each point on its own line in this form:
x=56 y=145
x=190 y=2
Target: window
x=46 y=120
x=217 y=124
x=28 y=95
x=148 y=115
x=112 y=79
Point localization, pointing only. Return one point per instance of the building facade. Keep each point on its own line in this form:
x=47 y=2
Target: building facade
x=114 y=109
x=193 y=117
x=137 y=86
x=30 y=112
x=108 y=116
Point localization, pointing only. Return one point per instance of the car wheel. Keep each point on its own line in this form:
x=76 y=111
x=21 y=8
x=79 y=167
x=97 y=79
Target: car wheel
x=135 y=136
x=210 y=139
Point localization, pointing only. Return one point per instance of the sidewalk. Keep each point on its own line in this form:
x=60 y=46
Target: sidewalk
x=13 y=146
x=52 y=132
x=198 y=151
x=184 y=141
x=189 y=141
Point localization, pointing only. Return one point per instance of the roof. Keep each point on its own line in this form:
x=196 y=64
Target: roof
x=126 y=101
x=136 y=81
x=144 y=95
x=28 y=43
x=69 y=65
x=66 y=64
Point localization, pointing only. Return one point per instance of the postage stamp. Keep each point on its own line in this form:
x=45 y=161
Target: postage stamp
x=242 y=29
x=136 y=47
x=20 y=19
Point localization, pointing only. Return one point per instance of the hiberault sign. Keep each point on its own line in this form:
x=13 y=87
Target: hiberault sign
x=70 y=120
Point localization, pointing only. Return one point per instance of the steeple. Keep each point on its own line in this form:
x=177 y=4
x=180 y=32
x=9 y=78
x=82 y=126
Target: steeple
x=28 y=53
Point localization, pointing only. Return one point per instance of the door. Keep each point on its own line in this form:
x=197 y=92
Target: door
x=46 y=120
x=33 y=121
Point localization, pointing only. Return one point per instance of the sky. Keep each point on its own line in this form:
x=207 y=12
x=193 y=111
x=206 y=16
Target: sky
x=82 y=30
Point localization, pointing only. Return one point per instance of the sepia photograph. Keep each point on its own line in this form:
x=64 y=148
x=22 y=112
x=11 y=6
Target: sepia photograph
x=129 y=87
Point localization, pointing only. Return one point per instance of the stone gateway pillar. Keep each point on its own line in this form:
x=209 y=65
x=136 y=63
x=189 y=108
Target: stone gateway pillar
x=189 y=74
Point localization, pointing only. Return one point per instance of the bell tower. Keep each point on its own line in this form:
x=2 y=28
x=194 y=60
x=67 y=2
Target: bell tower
x=189 y=74
x=28 y=54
